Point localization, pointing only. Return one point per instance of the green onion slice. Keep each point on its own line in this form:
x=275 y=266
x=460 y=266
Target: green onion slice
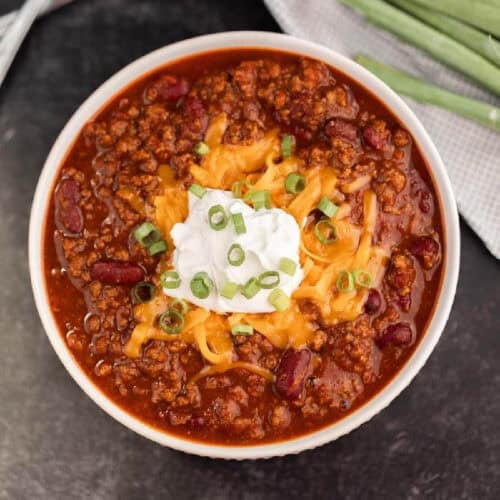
x=239 y=223
x=362 y=278
x=295 y=183
x=229 y=290
x=201 y=285
x=268 y=280
x=147 y=234
x=250 y=288
x=259 y=199
x=197 y=190
x=217 y=217
x=327 y=207
x=325 y=232
x=143 y=292
x=170 y=280
x=158 y=248
x=236 y=255
x=287 y=143
x=180 y=304
x=201 y=148
x=287 y=266
x=238 y=186
x=345 y=281
x=171 y=321
x=279 y=299
x=240 y=329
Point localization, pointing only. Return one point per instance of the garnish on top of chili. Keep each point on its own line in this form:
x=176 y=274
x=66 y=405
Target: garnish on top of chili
x=219 y=325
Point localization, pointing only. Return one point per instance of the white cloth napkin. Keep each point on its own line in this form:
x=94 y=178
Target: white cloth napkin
x=470 y=151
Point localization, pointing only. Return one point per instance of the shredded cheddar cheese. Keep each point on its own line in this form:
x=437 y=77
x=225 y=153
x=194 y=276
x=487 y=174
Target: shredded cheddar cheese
x=259 y=164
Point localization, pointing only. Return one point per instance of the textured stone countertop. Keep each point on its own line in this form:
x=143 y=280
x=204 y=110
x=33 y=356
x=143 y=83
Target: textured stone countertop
x=439 y=439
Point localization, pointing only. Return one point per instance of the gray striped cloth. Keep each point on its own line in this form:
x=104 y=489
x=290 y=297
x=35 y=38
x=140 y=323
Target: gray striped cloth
x=470 y=151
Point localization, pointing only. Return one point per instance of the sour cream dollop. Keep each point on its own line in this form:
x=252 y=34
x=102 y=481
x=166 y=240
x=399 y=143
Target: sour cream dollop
x=271 y=234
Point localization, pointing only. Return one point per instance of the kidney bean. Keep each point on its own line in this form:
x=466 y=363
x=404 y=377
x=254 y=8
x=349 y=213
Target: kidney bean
x=373 y=301
x=114 y=272
x=372 y=138
x=292 y=372
x=397 y=334
x=171 y=87
x=67 y=210
x=196 y=115
x=426 y=250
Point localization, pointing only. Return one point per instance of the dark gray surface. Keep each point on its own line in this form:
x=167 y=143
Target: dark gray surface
x=439 y=439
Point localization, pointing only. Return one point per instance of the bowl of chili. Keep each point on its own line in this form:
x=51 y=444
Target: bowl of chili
x=97 y=261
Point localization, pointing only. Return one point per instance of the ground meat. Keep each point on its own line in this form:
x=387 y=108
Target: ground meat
x=335 y=387
x=390 y=182
x=401 y=273
x=377 y=135
x=318 y=340
x=280 y=417
x=354 y=349
x=341 y=128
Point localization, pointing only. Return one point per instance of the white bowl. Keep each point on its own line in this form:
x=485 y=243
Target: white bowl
x=259 y=40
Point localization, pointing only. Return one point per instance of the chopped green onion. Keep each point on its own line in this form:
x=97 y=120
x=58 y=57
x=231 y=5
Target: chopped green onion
x=197 y=190
x=236 y=255
x=171 y=321
x=421 y=91
x=201 y=285
x=287 y=266
x=147 y=234
x=217 y=217
x=345 y=281
x=287 y=143
x=295 y=183
x=259 y=199
x=158 y=248
x=239 y=223
x=240 y=329
x=201 y=148
x=279 y=299
x=438 y=45
x=322 y=227
x=250 y=288
x=170 y=280
x=327 y=207
x=268 y=280
x=238 y=186
x=229 y=290
x=182 y=304
x=143 y=292
x=362 y=278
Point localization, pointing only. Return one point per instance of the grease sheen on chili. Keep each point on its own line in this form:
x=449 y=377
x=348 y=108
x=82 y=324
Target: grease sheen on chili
x=109 y=181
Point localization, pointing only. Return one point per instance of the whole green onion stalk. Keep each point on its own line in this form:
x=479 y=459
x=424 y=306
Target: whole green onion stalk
x=485 y=15
x=485 y=45
x=410 y=86
x=439 y=45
